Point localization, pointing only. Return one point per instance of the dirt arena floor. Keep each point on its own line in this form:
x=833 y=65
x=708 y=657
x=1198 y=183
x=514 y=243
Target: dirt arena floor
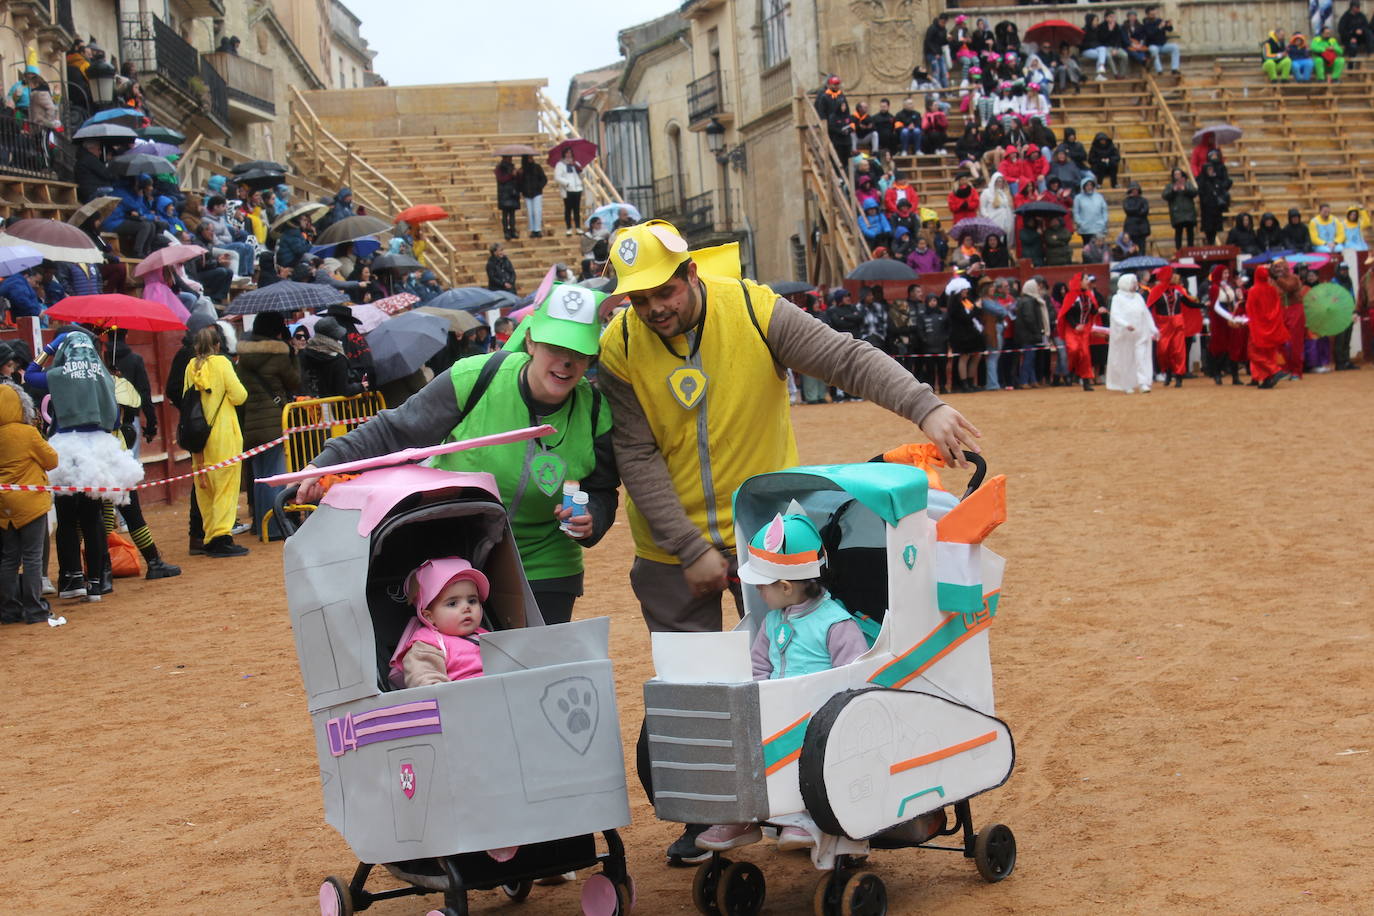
x=1182 y=652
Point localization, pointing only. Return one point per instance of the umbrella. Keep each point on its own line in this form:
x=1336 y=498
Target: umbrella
x=396 y=262
x=467 y=298
x=402 y=345
x=116 y=310
x=609 y=213
x=1054 y=31
x=168 y=257
x=286 y=296
x=1309 y=260
x=161 y=134
x=1139 y=262
x=599 y=284
x=126 y=117
x=17 y=258
x=515 y=149
x=1042 y=208
x=584 y=151
x=140 y=164
x=351 y=229
x=421 y=213
x=1221 y=133
x=153 y=148
x=505 y=300
x=265 y=165
x=791 y=287
x=259 y=179
x=96 y=207
x=105 y=132
x=368 y=317
x=880 y=269
x=459 y=322
x=362 y=248
x=1267 y=256
x=1329 y=308
x=309 y=208
x=54 y=240
x=397 y=303
x=977 y=227
x=1187 y=267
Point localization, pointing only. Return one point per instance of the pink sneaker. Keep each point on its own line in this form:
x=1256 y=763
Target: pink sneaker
x=790 y=838
x=727 y=836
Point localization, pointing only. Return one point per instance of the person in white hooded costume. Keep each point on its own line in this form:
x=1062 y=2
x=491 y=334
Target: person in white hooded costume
x=1132 y=332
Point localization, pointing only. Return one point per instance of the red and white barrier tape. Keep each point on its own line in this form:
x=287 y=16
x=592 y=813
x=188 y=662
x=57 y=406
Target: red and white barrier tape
x=149 y=484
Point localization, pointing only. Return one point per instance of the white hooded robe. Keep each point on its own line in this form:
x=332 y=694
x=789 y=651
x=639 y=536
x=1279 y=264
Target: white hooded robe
x=1128 y=351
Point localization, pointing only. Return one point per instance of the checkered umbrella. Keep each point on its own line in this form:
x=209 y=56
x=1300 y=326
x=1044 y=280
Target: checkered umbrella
x=286 y=296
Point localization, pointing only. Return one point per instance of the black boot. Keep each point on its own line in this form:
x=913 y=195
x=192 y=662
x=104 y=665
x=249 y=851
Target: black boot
x=101 y=586
x=1270 y=382
x=1235 y=374
x=159 y=568
x=224 y=546
x=1087 y=384
x=196 y=548
x=1178 y=381
x=71 y=585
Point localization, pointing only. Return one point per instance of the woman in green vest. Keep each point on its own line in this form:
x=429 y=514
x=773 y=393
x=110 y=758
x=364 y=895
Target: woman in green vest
x=537 y=378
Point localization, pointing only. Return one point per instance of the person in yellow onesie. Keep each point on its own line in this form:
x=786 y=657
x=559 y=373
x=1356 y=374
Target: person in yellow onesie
x=217 y=492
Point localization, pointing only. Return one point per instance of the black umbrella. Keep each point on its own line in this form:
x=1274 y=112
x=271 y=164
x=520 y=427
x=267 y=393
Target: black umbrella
x=1042 y=208
x=466 y=298
x=881 y=269
x=259 y=179
x=791 y=287
x=286 y=296
x=396 y=262
x=401 y=345
x=265 y=164
x=140 y=164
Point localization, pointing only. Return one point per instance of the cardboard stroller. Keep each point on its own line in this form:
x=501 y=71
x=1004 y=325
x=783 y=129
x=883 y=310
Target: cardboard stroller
x=427 y=780
x=868 y=755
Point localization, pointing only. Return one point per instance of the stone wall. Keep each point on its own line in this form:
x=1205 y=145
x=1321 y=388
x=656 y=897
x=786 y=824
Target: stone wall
x=509 y=107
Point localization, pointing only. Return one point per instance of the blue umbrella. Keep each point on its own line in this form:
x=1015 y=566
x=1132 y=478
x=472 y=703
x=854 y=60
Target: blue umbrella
x=362 y=248
x=1266 y=257
x=14 y=258
x=465 y=298
x=505 y=299
x=609 y=213
x=1139 y=262
x=129 y=117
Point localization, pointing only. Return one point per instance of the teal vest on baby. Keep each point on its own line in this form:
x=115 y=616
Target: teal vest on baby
x=799 y=646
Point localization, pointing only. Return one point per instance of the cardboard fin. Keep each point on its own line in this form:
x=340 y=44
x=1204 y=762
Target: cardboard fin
x=976 y=516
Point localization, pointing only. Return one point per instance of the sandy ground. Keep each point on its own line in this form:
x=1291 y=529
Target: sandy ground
x=1182 y=653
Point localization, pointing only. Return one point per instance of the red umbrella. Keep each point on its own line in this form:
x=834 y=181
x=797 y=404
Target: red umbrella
x=1055 y=31
x=584 y=151
x=110 y=310
x=421 y=213
x=170 y=256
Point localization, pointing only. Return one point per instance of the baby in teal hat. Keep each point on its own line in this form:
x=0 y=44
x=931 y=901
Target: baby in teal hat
x=805 y=631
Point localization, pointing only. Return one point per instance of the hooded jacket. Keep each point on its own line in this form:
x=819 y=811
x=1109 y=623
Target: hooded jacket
x=325 y=369
x=1137 y=207
x=1058 y=246
x=24 y=302
x=82 y=389
x=1357 y=229
x=1243 y=235
x=1090 y=209
x=1182 y=209
x=1068 y=172
x=24 y=459
x=1103 y=156
x=1295 y=232
x=963 y=202
x=1269 y=233
x=270 y=377
x=1264 y=308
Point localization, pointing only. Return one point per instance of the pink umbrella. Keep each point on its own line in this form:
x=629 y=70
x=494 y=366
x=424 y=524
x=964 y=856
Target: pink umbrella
x=369 y=316
x=584 y=151
x=170 y=256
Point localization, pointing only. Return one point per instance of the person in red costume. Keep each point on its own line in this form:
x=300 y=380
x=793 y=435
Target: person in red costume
x=1291 y=291
x=1167 y=300
x=1268 y=333
x=1226 y=315
x=1079 y=318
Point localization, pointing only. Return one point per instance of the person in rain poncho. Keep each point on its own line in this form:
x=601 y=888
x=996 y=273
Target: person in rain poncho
x=1132 y=331
x=996 y=205
x=1268 y=333
x=217 y=491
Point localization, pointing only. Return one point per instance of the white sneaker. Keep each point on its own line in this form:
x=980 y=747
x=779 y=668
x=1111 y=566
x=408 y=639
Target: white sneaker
x=241 y=529
x=48 y=588
x=1101 y=76
x=790 y=838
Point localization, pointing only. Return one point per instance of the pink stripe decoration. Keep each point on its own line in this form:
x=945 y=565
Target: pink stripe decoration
x=404 y=720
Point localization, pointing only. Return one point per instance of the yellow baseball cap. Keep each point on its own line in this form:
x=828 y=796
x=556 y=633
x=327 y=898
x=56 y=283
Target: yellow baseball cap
x=645 y=256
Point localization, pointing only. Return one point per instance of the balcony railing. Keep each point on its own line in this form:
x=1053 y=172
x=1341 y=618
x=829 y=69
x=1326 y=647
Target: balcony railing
x=775 y=87
x=704 y=97
x=698 y=214
x=34 y=152
x=248 y=83
x=217 y=91
x=667 y=197
x=154 y=47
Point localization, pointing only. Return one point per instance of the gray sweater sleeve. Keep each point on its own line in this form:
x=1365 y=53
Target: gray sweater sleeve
x=811 y=347
x=426 y=418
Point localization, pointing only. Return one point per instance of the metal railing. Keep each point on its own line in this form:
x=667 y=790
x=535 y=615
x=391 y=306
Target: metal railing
x=775 y=87
x=698 y=214
x=34 y=152
x=154 y=47
x=704 y=97
x=668 y=196
x=247 y=82
x=217 y=91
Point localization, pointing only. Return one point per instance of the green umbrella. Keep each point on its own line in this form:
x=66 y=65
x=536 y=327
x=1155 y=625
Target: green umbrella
x=1330 y=309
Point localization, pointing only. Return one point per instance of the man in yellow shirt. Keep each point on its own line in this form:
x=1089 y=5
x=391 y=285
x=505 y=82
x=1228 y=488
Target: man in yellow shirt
x=695 y=371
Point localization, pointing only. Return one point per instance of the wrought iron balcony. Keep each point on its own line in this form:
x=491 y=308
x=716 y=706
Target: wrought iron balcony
x=173 y=68
x=249 y=86
x=705 y=98
x=668 y=197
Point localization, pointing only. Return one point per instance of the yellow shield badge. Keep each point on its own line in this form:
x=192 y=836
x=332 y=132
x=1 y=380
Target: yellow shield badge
x=688 y=385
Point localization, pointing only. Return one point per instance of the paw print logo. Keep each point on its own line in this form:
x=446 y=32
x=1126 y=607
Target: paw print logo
x=572 y=707
x=572 y=301
x=628 y=250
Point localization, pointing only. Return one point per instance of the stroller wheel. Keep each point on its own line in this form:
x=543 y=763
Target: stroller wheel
x=334 y=898
x=864 y=894
x=518 y=891
x=740 y=890
x=994 y=852
x=705 y=882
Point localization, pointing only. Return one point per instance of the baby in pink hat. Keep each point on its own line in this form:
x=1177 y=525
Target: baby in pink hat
x=441 y=644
